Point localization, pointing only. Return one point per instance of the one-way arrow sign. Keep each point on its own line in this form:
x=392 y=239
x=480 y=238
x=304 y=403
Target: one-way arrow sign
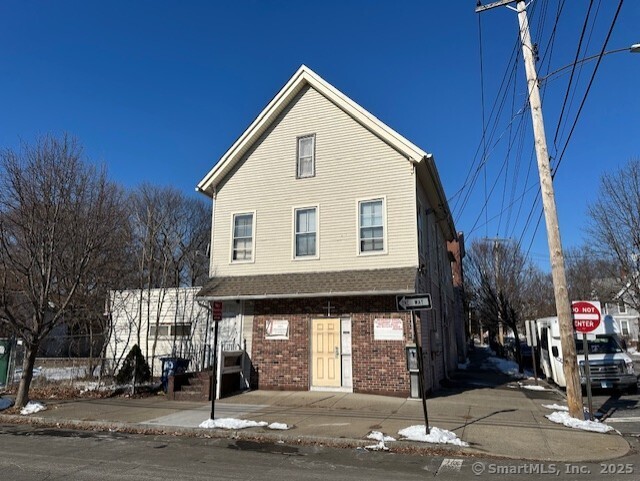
x=413 y=302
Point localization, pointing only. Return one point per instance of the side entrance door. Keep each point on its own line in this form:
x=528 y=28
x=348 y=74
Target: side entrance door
x=325 y=353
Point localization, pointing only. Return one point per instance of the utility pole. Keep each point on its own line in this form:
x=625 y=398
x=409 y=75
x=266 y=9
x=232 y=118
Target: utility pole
x=563 y=306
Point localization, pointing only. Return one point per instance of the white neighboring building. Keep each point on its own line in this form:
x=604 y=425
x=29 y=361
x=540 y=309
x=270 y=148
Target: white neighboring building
x=179 y=325
x=627 y=319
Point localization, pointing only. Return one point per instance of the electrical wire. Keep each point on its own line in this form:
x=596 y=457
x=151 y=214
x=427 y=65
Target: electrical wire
x=586 y=94
x=573 y=69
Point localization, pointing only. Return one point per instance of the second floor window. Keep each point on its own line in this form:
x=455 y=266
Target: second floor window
x=306 y=156
x=371 y=226
x=305 y=235
x=622 y=308
x=242 y=237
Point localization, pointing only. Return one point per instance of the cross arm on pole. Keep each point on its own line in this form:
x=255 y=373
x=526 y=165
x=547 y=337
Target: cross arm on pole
x=482 y=8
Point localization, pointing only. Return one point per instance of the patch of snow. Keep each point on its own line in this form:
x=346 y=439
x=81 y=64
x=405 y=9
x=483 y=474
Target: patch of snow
x=230 y=423
x=555 y=407
x=503 y=365
x=279 y=426
x=63 y=373
x=381 y=438
x=585 y=425
x=378 y=436
x=436 y=435
x=533 y=388
x=32 y=407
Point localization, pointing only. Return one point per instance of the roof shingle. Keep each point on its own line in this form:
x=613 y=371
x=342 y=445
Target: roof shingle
x=400 y=280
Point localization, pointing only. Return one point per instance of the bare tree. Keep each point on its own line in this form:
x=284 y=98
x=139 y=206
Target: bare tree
x=171 y=235
x=591 y=274
x=502 y=282
x=537 y=294
x=58 y=219
x=615 y=226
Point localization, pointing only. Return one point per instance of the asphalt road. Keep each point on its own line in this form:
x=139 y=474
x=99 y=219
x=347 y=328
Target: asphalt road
x=620 y=409
x=30 y=453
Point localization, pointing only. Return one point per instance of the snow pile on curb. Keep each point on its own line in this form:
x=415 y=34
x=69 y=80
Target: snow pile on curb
x=567 y=420
x=436 y=436
x=230 y=423
x=381 y=438
x=279 y=426
x=32 y=408
x=533 y=388
x=555 y=407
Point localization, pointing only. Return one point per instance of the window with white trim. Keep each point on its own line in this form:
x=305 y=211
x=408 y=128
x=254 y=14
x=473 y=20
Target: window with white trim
x=306 y=165
x=161 y=330
x=371 y=226
x=624 y=327
x=622 y=308
x=306 y=232
x=242 y=245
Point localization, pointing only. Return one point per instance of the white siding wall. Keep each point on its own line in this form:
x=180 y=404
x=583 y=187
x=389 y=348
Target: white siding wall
x=133 y=309
x=351 y=164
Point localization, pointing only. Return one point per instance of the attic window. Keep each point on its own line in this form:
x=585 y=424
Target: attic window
x=306 y=165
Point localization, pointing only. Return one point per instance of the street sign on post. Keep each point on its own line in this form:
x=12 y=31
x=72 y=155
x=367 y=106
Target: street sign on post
x=413 y=302
x=586 y=316
x=216 y=310
x=216 y=314
x=587 y=320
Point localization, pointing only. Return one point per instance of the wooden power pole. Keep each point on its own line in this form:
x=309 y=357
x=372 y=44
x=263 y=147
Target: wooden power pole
x=563 y=306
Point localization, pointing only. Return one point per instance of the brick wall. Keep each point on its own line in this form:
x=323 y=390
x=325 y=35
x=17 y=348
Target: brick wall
x=378 y=367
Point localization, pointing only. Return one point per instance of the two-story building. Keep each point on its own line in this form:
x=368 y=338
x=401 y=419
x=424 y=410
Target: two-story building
x=322 y=215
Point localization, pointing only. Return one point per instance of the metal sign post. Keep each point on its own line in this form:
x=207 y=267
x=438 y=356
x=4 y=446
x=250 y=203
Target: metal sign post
x=420 y=374
x=587 y=373
x=417 y=302
x=217 y=317
x=587 y=319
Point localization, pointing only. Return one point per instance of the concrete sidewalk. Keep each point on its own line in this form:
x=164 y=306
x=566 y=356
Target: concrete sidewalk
x=494 y=414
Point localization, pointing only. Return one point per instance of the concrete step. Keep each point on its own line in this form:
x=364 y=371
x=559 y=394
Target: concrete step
x=190 y=396
x=189 y=388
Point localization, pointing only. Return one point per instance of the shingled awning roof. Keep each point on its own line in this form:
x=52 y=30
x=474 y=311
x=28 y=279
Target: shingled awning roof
x=312 y=284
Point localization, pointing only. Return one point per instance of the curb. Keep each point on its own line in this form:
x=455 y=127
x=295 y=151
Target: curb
x=405 y=447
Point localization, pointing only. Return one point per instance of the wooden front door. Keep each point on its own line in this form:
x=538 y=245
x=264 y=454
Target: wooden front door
x=325 y=353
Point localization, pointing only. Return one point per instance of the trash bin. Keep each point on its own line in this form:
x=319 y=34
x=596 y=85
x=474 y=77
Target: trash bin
x=172 y=366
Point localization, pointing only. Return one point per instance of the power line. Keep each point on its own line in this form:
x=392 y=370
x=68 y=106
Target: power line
x=584 y=98
x=573 y=69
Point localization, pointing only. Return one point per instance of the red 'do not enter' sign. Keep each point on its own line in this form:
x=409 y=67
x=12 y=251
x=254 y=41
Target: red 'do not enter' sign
x=586 y=316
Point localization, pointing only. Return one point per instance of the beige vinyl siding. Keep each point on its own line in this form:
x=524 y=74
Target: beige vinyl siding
x=351 y=164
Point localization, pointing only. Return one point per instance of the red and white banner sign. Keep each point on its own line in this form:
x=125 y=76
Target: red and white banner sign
x=587 y=317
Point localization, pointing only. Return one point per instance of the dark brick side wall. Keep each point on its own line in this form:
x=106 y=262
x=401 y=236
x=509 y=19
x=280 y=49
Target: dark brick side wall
x=379 y=367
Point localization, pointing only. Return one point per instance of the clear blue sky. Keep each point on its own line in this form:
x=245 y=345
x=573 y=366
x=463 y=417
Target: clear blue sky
x=159 y=90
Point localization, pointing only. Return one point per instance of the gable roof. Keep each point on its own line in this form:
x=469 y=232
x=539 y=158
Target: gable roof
x=305 y=76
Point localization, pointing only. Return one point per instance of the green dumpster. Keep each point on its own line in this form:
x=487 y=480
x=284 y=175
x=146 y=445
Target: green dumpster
x=5 y=350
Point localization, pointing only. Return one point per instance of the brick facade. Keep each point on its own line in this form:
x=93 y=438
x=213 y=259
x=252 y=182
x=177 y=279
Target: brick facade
x=378 y=367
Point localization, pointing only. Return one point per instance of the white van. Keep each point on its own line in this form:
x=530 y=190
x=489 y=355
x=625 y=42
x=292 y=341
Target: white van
x=609 y=364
